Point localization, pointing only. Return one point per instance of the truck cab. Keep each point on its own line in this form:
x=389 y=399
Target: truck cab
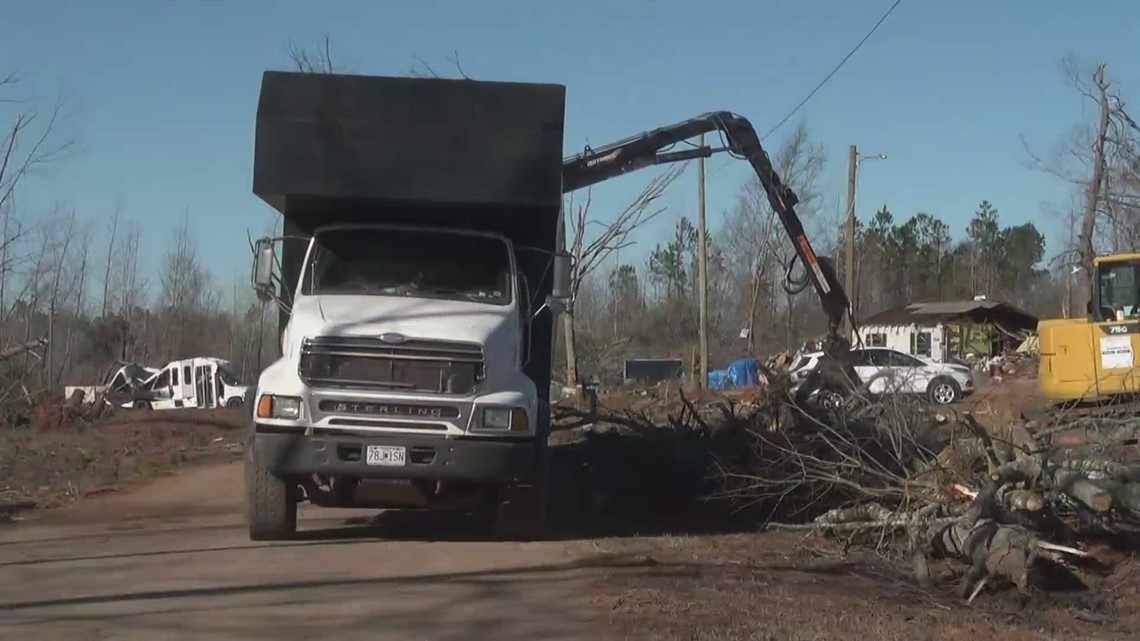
x=418 y=278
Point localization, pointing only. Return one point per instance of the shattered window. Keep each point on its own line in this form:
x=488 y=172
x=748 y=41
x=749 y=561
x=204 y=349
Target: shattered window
x=119 y=383
x=228 y=376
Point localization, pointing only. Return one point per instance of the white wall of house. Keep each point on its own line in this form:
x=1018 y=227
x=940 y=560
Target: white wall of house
x=930 y=341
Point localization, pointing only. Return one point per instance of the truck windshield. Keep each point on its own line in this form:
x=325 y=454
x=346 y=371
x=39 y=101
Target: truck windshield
x=419 y=264
x=1119 y=290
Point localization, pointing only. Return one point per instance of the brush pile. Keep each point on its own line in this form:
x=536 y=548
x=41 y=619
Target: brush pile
x=891 y=473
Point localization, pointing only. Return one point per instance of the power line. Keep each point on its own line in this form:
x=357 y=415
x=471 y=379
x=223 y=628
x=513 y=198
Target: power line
x=826 y=79
x=833 y=71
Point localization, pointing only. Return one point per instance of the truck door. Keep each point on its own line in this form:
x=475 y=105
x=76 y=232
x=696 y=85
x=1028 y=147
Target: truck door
x=189 y=395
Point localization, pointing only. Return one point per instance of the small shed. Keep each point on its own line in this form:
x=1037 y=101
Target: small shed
x=942 y=330
x=653 y=370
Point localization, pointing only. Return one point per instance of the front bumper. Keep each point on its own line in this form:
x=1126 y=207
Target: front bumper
x=429 y=457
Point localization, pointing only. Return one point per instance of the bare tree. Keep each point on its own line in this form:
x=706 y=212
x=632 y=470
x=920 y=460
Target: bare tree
x=1099 y=160
x=111 y=237
x=184 y=290
x=757 y=247
x=1096 y=182
x=318 y=60
x=61 y=236
x=74 y=304
x=589 y=252
x=32 y=140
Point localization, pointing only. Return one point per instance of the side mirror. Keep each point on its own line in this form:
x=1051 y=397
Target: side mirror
x=263 y=260
x=560 y=294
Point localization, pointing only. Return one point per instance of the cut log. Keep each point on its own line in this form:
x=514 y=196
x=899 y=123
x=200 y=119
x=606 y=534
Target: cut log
x=1022 y=500
x=992 y=549
x=1128 y=497
x=1078 y=487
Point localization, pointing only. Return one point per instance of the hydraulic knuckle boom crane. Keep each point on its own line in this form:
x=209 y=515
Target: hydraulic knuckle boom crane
x=650 y=148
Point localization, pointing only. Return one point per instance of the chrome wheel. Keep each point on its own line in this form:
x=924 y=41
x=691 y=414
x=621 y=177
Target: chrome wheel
x=830 y=400
x=943 y=393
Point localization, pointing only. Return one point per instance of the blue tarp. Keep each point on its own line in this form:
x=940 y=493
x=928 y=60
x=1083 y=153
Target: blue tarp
x=738 y=374
x=718 y=379
x=744 y=373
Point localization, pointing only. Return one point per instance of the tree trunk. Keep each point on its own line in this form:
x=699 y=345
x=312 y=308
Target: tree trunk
x=1092 y=190
x=110 y=262
x=752 y=311
x=571 y=351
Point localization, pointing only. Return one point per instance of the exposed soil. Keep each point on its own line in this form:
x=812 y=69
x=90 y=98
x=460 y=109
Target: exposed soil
x=786 y=587
x=50 y=462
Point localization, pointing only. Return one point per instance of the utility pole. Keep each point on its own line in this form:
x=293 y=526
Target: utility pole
x=849 y=271
x=702 y=270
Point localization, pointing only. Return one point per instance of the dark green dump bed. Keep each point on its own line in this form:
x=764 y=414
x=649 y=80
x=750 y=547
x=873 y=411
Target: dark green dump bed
x=339 y=141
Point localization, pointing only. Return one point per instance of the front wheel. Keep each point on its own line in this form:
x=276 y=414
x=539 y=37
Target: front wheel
x=943 y=391
x=830 y=399
x=270 y=502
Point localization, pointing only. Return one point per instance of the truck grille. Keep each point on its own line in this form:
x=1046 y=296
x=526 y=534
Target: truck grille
x=435 y=367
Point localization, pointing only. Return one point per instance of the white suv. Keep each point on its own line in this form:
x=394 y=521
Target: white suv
x=887 y=371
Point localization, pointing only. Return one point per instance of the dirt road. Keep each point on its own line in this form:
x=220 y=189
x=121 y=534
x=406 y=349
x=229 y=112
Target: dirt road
x=172 y=561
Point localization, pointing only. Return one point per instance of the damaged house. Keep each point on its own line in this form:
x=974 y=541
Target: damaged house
x=943 y=331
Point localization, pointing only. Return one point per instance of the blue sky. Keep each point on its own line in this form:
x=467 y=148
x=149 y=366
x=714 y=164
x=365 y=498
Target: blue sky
x=164 y=92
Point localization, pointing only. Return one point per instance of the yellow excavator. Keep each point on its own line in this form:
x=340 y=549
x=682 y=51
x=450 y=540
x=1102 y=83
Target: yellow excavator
x=1094 y=358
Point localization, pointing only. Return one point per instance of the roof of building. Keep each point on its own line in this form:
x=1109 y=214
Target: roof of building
x=971 y=312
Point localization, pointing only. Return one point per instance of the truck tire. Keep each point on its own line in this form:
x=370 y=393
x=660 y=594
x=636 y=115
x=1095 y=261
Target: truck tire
x=270 y=502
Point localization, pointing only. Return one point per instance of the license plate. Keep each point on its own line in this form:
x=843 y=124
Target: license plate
x=387 y=455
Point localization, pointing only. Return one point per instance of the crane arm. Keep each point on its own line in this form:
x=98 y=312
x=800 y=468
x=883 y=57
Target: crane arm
x=652 y=148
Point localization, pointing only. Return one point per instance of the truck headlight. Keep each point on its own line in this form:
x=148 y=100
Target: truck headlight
x=280 y=407
x=505 y=418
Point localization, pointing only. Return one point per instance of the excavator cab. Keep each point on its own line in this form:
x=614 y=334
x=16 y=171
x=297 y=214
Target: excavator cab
x=1116 y=288
x=1094 y=358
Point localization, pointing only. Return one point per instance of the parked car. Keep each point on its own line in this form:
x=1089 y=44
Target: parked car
x=887 y=371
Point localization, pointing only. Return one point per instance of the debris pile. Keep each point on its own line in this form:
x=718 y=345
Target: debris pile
x=1005 y=501
x=1010 y=365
